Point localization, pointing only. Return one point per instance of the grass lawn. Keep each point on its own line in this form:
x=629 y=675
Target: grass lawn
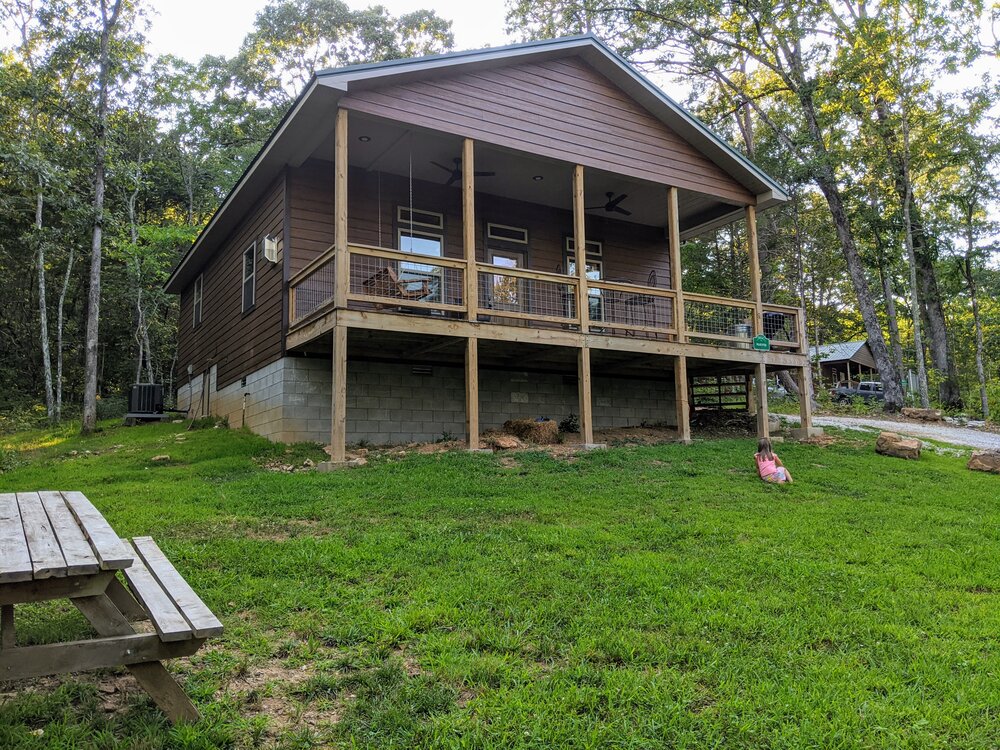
x=639 y=597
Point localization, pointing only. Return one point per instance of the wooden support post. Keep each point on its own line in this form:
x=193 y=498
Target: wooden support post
x=342 y=262
x=681 y=399
x=580 y=245
x=472 y=393
x=469 y=229
x=805 y=399
x=152 y=676
x=676 y=269
x=586 y=408
x=338 y=414
x=763 y=430
x=758 y=312
x=848 y=363
x=7 y=638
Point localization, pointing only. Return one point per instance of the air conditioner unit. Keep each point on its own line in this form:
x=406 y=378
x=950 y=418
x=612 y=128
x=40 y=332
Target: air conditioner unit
x=270 y=249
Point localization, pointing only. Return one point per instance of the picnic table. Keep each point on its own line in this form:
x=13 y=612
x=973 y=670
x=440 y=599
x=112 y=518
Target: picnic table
x=57 y=545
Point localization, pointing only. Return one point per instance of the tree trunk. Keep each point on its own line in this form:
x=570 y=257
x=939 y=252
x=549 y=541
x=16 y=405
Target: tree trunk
x=970 y=279
x=100 y=166
x=59 y=335
x=918 y=344
x=43 y=308
x=891 y=315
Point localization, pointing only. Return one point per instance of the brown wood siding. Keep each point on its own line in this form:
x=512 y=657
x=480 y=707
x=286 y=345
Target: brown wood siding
x=562 y=109
x=237 y=343
x=630 y=251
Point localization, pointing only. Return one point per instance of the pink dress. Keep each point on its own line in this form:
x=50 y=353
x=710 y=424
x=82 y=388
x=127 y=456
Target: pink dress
x=769 y=470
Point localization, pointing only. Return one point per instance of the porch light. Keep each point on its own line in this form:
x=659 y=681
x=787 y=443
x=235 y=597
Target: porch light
x=364 y=138
x=538 y=178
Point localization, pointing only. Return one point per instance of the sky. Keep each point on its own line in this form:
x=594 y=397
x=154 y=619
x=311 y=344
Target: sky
x=222 y=24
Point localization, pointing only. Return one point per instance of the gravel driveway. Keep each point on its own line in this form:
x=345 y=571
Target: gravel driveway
x=946 y=433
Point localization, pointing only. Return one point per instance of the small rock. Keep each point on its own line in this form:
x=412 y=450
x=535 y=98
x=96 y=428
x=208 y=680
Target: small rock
x=163 y=457
x=117 y=447
x=176 y=421
x=893 y=444
x=38 y=732
x=107 y=689
x=975 y=424
x=309 y=463
x=985 y=461
x=502 y=442
x=74 y=453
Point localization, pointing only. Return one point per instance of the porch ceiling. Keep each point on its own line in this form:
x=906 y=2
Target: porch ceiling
x=400 y=149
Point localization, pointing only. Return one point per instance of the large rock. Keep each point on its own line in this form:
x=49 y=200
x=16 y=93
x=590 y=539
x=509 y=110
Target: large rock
x=893 y=444
x=501 y=442
x=927 y=415
x=985 y=461
x=540 y=432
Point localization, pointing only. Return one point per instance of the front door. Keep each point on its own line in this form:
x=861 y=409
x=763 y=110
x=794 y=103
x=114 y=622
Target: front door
x=507 y=292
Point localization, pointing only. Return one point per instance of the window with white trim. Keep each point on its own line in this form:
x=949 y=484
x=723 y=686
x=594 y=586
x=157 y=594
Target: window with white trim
x=196 y=305
x=249 y=277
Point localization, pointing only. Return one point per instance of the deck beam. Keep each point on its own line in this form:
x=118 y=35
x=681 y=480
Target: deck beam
x=586 y=402
x=472 y=393
x=681 y=399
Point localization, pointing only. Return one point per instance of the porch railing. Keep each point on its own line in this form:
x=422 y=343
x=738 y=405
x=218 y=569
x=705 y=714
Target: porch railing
x=380 y=278
x=518 y=294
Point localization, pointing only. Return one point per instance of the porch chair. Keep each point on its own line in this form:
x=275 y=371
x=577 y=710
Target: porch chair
x=386 y=283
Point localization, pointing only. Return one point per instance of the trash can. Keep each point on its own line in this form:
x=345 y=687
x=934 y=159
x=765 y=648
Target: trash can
x=743 y=330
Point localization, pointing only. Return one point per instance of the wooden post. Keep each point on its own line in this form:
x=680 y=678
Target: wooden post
x=758 y=312
x=676 y=270
x=762 y=427
x=681 y=400
x=848 y=363
x=586 y=409
x=342 y=263
x=472 y=393
x=7 y=625
x=580 y=244
x=805 y=399
x=338 y=404
x=469 y=230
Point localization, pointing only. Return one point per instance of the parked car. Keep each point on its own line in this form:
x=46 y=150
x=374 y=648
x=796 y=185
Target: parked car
x=867 y=392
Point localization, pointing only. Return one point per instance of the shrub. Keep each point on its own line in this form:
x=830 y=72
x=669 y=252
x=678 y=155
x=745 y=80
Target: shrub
x=570 y=424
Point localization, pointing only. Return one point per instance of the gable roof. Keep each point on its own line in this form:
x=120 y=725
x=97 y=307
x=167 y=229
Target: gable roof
x=838 y=352
x=307 y=123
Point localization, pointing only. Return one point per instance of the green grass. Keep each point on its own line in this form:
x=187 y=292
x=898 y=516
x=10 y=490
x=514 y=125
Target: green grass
x=639 y=597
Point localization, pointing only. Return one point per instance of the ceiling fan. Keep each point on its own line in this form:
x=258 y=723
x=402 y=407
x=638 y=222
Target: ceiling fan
x=612 y=204
x=456 y=171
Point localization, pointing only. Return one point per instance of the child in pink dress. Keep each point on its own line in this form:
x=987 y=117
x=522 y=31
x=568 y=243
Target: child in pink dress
x=769 y=465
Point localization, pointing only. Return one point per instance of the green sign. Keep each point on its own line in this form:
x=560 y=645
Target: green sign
x=762 y=343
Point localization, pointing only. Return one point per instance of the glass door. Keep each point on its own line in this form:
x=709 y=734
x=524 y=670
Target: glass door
x=507 y=292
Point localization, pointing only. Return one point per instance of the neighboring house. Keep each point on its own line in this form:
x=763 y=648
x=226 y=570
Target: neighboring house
x=409 y=254
x=847 y=362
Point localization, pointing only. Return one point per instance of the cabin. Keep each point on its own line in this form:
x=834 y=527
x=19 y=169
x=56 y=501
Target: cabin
x=845 y=362
x=428 y=247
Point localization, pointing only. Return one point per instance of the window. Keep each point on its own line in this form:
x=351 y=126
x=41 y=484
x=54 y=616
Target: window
x=421 y=233
x=249 y=276
x=506 y=233
x=199 y=285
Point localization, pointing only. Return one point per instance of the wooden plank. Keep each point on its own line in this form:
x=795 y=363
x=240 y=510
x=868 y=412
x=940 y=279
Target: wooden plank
x=676 y=268
x=122 y=598
x=338 y=413
x=47 y=560
x=763 y=429
x=151 y=675
x=342 y=272
x=469 y=233
x=681 y=400
x=758 y=314
x=472 y=393
x=80 y=656
x=384 y=252
x=311 y=267
x=804 y=378
x=49 y=589
x=166 y=618
x=7 y=639
x=111 y=552
x=580 y=248
x=586 y=401
x=76 y=550
x=15 y=560
x=203 y=622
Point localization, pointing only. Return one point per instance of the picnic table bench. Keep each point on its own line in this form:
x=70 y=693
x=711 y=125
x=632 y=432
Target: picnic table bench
x=57 y=545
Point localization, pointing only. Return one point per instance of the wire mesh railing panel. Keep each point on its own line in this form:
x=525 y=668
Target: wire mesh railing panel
x=723 y=323
x=391 y=281
x=781 y=326
x=506 y=293
x=629 y=309
x=313 y=292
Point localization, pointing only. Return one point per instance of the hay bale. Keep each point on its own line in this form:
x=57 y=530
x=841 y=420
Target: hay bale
x=543 y=432
x=985 y=461
x=897 y=446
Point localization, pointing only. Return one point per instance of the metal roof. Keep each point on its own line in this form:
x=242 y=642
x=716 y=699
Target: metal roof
x=300 y=129
x=837 y=352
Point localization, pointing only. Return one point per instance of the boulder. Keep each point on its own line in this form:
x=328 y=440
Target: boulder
x=926 y=415
x=501 y=442
x=985 y=461
x=540 y=432
x=158 y=459
x=893 y=444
